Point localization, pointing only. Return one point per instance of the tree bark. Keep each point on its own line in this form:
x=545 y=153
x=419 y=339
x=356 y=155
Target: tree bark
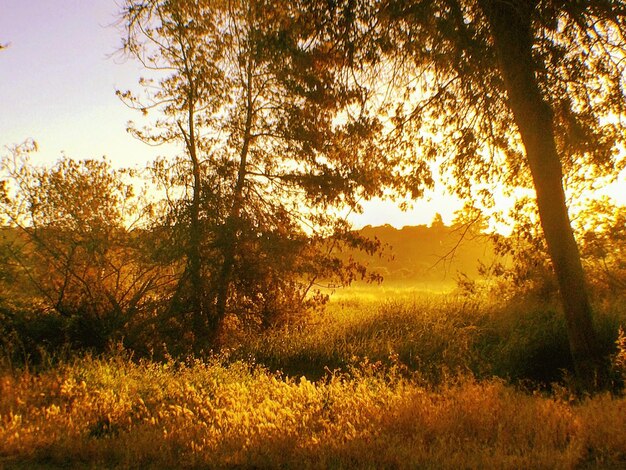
x=510 y=22
x=194 y=249
x=230 y=240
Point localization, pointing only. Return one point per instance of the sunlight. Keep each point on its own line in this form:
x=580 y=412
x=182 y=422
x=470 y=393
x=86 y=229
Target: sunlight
x=380 y=212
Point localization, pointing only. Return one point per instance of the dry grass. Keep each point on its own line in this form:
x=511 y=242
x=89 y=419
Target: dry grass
x=116 y=413
x=413 y=404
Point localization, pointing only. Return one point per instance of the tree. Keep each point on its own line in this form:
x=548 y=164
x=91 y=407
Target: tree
x=277 y=142
x=72 y=246
x=511 y=92
x=604 y=247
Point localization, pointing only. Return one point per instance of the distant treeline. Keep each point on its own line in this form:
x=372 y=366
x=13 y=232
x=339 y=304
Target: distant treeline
x=437 y=254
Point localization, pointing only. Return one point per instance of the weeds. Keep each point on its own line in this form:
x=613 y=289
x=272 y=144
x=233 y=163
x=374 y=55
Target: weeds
x=398 y=384
x=115 y=413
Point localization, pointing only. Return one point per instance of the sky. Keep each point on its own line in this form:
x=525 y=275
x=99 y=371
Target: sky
x=57 y=85
x=58 y=81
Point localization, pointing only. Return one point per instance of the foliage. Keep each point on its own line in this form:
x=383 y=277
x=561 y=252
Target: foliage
x=603 y=226
x=524 y=269
x=452 y=96
x=114 y=413
x=73 y=251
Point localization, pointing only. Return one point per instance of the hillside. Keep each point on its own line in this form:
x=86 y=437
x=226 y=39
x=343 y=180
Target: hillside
x=426 y=255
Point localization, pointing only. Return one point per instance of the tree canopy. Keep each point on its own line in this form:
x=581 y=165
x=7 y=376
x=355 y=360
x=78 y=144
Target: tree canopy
x=516 y=93
x=278 y=146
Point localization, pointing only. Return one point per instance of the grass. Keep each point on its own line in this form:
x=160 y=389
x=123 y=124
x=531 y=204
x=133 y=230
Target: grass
x=97 y=413
x=404 y=383
x=435 y=335
x=428 y=333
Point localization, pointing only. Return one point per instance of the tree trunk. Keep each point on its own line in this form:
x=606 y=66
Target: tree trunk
x=510 y=23
x=194 y=248
x=230 y=240
x=194 y=254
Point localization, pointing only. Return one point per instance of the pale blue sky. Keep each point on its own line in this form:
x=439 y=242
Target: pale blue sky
x=58 y=82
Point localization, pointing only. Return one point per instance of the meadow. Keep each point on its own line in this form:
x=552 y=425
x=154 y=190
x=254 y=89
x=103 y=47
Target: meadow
x=413 y=380
x=276 y=129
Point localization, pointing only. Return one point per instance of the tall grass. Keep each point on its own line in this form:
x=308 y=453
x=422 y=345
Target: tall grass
x=435 y=335
x=412 y=382
x=426 y=333
x=96 y=413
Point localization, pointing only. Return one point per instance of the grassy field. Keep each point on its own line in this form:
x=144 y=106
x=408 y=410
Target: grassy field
x=415 y=381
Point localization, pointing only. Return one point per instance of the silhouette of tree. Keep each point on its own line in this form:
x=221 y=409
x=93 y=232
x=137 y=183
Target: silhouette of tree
x=508 y=92
x=277 y=142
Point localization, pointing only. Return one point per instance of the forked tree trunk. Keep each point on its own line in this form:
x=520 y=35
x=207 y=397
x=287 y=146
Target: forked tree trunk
x=230 y=238
x=510 y=23
x=194 y=248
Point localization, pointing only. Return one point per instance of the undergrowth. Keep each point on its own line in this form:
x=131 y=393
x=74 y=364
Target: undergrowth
x=103 y=413
x=416 y=382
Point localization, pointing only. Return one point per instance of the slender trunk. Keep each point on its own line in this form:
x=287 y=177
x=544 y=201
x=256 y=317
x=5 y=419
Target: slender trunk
x=230 y=240
x=195 y=237
x=194 y=249
x=510 y=23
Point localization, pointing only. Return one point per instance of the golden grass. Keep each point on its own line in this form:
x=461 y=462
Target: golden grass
x=96 y=413
x=434 y=335
x=378 y=413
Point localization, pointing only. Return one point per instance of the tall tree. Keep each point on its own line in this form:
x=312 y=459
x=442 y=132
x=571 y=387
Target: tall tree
x=276 y=136
x=511 y=29
x=512 y=91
